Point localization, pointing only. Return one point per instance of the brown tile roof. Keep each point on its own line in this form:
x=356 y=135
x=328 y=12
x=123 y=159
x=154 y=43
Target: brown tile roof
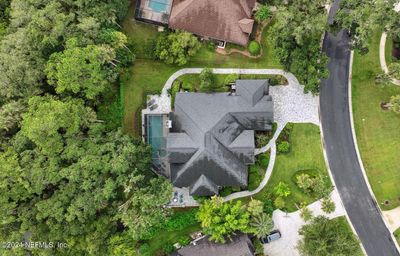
x=227 y=20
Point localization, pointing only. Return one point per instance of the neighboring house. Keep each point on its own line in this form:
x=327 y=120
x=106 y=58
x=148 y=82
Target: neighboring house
x=240 y=245
x=211 y=142
x=222 y=20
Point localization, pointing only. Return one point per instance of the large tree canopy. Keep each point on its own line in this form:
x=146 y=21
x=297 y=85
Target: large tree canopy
x=176 y=47
x=297 y=37
x=49 y=130
x=85 y=70
x=82 y=195
x=324 y=237
x=64 y=175
x=362 y=17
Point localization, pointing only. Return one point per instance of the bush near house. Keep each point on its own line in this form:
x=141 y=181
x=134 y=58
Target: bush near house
x=176 y=47
x=283 y=147
x=263 y=13
x=254 y=48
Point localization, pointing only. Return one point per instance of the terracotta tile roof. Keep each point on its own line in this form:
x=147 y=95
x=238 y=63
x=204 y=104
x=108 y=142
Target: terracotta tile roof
x=227 y=20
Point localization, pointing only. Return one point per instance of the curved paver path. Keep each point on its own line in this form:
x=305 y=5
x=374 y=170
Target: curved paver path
x=292 y=80
x=382 y=58
x=264 y=182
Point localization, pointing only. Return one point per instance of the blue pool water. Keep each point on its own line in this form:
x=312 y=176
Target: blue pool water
x=155 y=136
x=159 y=5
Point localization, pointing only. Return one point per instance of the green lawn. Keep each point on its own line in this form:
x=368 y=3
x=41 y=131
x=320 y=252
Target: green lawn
x=378 y=131
x=306 y=154
x=161 y=239
x=148 y=76
x=397 y=235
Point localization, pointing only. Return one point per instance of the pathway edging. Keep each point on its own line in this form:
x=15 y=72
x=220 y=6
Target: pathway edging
x=382 y=58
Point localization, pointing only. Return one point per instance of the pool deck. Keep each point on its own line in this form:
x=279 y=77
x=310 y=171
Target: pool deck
x=149 y=13
x=163 y=107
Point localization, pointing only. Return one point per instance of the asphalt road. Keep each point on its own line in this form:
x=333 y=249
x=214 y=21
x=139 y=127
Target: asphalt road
x=342 y=157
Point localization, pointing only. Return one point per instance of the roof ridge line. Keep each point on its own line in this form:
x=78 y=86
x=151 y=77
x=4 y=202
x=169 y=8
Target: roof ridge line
x=234 y=174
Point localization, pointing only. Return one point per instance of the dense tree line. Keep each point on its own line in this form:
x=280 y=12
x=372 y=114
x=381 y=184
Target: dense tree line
x=297 y=36
x=65 y=176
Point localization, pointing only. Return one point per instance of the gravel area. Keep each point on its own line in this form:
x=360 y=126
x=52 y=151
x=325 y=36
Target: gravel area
x=292 y=105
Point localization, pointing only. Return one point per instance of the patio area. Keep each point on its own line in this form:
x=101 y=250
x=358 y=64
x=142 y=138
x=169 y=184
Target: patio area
x=153 y=11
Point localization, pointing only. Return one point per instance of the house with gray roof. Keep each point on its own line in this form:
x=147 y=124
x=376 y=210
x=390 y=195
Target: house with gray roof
x=211 y=142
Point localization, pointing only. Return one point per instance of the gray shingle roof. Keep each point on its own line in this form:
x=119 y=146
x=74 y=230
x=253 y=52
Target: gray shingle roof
x=213 y=135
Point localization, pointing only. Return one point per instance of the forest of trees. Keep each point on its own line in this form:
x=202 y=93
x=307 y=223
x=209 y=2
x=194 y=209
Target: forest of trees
x=67 y=176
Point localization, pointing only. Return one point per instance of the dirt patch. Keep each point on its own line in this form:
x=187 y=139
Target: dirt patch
x=384 y=105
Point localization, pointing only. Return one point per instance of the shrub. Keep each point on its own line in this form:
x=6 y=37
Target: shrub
x=210 y=46
x=263 y=160
x=269 y=206
x=286 y=132
x=312 y=183
x=207 y=81
x=394 y=69
x=305 y=182
x=283 y=147
x=262 y=139
x=187 y=86
x=254 y=48
x=279 y=203
x=176 y=47
x=305 y=213
x=144 y=248
x=282 y=189
x=320 y=188
x=231 y=78
x=327 y=205
x=263 y=13
x=181 y=220
x=273 y=81
x=395 y=104
x=169 y=248
x=258 y=247
x=184 y=240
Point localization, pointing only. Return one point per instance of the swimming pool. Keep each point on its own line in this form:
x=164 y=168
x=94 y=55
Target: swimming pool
x=155 y=136
x=159 y=5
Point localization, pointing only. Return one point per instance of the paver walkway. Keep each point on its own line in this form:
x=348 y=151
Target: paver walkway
x=290 y=223
x=392 y=218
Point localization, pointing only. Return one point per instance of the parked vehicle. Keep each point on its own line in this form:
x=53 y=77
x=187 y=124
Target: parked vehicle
x=273 y=236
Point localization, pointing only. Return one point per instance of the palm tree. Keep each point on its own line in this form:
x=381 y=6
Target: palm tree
x=262 y=225
x=327 y=205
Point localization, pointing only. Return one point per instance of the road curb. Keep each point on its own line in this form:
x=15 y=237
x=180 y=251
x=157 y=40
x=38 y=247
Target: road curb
x=353 y=131
x=334 y=184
